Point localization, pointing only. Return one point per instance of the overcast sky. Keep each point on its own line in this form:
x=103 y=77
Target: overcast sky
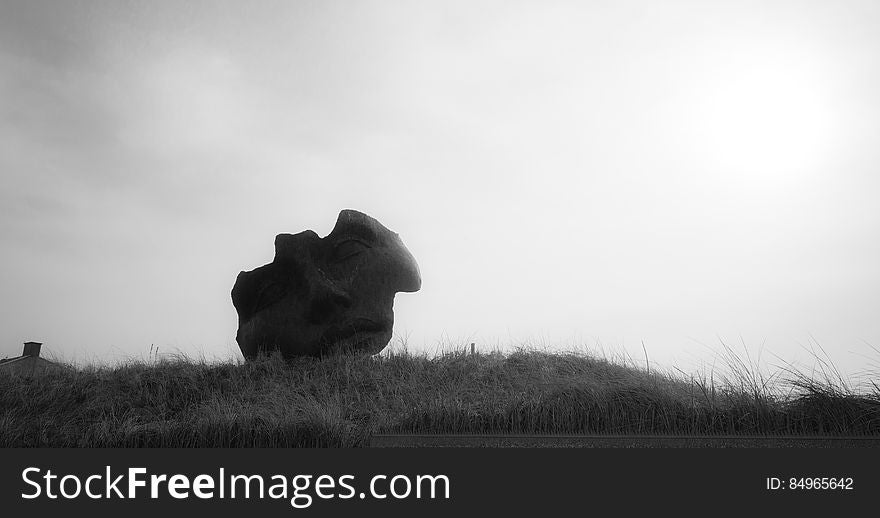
x=565 y=173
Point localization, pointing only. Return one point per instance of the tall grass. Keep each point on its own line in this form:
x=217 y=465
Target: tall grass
x=342 y=400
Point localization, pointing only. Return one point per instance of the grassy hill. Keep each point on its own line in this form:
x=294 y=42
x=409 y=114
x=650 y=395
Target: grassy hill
x=342 y=400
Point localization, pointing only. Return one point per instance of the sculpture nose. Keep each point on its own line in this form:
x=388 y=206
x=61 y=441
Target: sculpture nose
x=410 y=277
x=328 y=300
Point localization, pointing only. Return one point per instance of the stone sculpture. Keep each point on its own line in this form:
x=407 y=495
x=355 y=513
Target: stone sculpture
x=324 y=294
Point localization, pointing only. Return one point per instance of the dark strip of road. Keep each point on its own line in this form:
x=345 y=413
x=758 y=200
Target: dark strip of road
x=621 y=441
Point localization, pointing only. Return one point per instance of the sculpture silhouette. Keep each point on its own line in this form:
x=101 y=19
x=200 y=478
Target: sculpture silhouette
x=325 y=294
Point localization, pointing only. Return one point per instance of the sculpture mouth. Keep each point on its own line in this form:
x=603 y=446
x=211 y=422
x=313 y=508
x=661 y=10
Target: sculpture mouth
x=357 y=330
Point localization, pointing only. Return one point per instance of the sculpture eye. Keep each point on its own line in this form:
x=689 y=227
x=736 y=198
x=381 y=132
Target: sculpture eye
x=349 y=248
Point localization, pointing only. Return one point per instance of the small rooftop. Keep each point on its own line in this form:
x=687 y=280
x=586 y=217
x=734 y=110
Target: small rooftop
x=29 y=362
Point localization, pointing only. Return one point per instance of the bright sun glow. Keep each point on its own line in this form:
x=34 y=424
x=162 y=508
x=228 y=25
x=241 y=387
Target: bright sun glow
x=766 y=121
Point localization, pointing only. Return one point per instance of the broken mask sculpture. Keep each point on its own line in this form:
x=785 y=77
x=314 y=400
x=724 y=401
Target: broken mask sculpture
x=324 y=294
